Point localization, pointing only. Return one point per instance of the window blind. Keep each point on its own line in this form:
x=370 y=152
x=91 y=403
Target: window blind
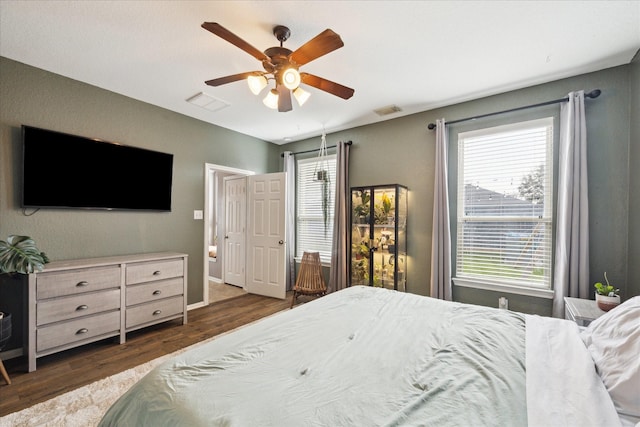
x=504 y=216
x=311 y=235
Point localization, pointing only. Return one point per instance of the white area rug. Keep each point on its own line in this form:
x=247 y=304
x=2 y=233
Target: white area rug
x=85 y=406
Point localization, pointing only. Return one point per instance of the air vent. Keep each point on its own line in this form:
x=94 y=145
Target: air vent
x=385 y=111
x=208 y=102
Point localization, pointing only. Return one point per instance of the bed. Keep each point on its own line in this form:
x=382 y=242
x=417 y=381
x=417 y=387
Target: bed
x=367 y=356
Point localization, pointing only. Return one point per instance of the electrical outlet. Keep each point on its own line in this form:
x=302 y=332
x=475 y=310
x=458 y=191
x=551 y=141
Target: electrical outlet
x=197 y=214
x=503 y=303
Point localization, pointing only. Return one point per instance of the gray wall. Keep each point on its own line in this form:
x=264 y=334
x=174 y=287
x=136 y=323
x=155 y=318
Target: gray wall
x=394 y=151
x=402 y=150
x=38 y=98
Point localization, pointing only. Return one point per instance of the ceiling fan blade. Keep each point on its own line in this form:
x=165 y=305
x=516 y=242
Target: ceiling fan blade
x=284 y=99
x=227 y=35
x=230 y=79
x=325 y=42
x=327 y=85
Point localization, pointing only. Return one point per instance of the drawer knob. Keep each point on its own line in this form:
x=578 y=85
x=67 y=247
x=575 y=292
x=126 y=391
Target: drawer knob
x=83 y=283
x=155 y=313
x=82 y=307
x=157 y=292
x=82 y=331
x=156 y=273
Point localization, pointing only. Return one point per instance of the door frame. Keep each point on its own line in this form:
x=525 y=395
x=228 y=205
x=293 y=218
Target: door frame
x=209 y=170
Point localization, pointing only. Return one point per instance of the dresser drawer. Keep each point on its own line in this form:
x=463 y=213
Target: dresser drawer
x=71 y=307
x=138 y=294
x=155 y=270
x=77 y=330
x=55 y=284
x=154 y=311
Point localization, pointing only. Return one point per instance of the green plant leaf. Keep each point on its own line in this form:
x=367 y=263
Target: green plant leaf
x=19 y=254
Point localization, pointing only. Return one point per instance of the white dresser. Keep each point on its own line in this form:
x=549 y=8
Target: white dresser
x=76 y=302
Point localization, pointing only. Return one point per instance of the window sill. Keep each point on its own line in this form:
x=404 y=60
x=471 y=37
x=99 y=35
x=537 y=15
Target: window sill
x=503 y=287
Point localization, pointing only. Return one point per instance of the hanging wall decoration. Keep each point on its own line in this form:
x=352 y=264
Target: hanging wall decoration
x=321 y=174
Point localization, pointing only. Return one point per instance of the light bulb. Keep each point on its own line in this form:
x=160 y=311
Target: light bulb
x=271 y=100
x=256 y=83
x=291 y=78
x=301 y=95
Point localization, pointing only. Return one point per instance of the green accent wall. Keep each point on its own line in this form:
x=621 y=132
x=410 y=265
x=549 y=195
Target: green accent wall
x=38 y=98
x=401 y=151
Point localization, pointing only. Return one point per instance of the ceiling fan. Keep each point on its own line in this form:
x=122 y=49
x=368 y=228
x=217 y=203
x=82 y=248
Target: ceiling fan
x=281 y=65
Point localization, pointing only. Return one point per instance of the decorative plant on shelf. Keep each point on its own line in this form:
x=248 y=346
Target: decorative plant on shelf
x=19 y=254
x=378 y=215
x=359 y=271
x=386 y=203
x=360 y=250
x=607 y=296
x=362 y=210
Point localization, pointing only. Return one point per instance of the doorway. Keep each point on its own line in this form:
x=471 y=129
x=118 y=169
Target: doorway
x=257 y=256
x=214 y=232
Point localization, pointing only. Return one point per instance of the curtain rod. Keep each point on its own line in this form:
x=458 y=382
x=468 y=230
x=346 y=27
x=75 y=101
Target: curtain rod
x=315 y=149
x=593 y=94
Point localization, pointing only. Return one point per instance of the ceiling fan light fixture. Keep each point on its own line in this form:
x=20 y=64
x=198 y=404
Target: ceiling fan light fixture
x=256 y=84
x=301 y=95
x=291 y=78
x=271 y=100
x=281 y=65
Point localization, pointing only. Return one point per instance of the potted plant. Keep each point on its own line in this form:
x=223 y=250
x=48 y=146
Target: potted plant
x=361 y=211
x=386 y=207
x=606 y=295
x=19 y=256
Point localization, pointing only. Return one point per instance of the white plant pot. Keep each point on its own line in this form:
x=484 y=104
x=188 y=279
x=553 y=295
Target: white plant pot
x=606 y=303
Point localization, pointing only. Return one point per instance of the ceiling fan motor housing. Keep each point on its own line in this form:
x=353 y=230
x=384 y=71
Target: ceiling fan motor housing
x=279 y=61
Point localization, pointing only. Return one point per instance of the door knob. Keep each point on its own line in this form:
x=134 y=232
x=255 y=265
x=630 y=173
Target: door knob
x=280 y=242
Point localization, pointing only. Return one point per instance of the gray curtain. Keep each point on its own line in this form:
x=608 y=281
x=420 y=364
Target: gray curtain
x=290 y=216
x=441 y=232
x=571 y=275
x=338 y=275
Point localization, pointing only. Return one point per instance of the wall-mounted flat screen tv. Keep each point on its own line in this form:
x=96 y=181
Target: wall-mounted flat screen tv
x=69 y=171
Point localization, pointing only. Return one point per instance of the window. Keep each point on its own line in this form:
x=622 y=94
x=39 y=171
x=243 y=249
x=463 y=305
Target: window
x=504 y=217
x=311 y=235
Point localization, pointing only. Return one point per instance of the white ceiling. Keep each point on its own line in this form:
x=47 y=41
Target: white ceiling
x=417 y=55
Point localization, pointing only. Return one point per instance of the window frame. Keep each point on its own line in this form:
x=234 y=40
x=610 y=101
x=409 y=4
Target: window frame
x=325 y=251
x=548 y=218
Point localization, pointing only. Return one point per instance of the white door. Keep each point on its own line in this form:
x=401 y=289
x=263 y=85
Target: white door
x=234 y=238
x=266 y=235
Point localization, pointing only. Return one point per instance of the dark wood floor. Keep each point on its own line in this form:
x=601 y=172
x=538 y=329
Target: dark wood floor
x=68 y=370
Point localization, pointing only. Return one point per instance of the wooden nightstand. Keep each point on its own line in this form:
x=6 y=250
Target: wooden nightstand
x=581 y=311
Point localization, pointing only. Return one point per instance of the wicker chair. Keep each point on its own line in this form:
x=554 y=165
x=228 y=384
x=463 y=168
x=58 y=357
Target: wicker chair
x=310 y=280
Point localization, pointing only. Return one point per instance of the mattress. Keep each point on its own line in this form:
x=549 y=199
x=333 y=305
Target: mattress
x=367 y=356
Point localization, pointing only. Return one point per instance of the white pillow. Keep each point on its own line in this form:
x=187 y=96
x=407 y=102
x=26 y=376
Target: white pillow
x=613 y=340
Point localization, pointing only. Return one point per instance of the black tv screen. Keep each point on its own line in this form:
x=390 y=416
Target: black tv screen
x=69 y=171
